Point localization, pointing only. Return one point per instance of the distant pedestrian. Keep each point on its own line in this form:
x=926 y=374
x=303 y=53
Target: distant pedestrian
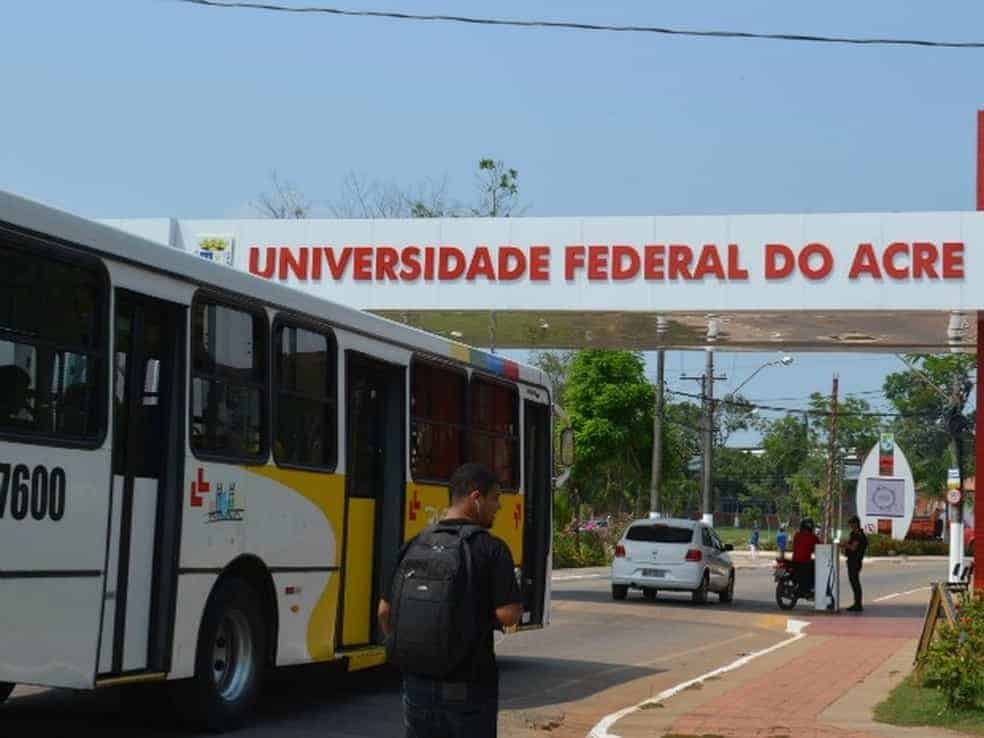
x=855 y=549
x=782 y=540
x=753 y=542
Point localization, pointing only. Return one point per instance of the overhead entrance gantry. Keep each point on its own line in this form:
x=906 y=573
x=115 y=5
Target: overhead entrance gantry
x=852 y=282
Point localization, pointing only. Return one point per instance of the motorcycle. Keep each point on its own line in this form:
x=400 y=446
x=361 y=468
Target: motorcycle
x=788 y=589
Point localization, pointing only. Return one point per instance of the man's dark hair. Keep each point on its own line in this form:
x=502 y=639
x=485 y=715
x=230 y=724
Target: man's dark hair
x=471 y=476
x=854 y=519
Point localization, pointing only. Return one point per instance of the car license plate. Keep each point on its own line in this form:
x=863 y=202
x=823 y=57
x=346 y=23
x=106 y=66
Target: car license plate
x=654 y=572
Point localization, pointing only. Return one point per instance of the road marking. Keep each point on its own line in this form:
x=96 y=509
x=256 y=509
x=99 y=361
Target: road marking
x=600 y=730
x=900 y=594
x=578 y=576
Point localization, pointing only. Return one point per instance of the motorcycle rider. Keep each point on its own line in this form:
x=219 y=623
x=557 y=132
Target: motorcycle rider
x=804 y=544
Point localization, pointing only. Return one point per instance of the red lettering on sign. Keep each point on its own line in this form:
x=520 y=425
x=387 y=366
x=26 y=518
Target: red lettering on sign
x=512 y=262
x=269 y=265
x=336 y=265
x=539 y=263
x=625 y=262
x=386 y=260
x=597 y=262
x=518 y=514
x=199 y=488
x=481 y=264
x=573 y=259
x=776 y=252
x=709 y=263
x=414 y=506
x=734 y=263
x=953 y=260
x=865 y=262
x=680 y=257
x=826 y=261
x=924 y=260
x=362 y=265
x=888 y=259
x=296 y=264
x=654 y=259
x=411 y=263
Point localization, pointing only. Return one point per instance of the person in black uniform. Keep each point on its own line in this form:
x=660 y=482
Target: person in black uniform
x=855 y=548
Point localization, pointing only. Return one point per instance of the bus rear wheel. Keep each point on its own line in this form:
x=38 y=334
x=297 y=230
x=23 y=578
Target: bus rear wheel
x=230 y=659
x=5 y=689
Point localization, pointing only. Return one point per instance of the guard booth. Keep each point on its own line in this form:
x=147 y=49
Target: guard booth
x=852 y=282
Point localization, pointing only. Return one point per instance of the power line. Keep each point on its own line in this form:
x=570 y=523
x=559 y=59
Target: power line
x=804 y=411
x=574 y=26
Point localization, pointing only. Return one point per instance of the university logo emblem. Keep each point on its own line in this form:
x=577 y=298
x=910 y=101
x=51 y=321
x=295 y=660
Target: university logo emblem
x=216 y=248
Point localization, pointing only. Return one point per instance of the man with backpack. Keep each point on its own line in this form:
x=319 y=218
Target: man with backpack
x=453 y=586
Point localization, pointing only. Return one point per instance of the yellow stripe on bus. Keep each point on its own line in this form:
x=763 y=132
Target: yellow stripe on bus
x=428 y=503
x=327 y=492
x=358 y=570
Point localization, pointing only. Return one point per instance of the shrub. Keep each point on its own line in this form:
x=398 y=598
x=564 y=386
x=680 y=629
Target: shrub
x=879 y=545
x=954 y=663
x=567 y=554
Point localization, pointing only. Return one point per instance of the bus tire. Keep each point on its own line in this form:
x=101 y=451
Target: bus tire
x=230 y=658
x=5 y=689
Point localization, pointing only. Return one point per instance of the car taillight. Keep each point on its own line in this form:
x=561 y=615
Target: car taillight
x=694 y=554
x=620 y=551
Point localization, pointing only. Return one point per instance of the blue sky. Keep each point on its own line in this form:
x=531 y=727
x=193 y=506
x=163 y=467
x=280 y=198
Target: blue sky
x=133 y=108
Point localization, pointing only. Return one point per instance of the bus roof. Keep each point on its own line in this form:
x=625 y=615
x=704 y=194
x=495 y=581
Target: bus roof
x=118 y=245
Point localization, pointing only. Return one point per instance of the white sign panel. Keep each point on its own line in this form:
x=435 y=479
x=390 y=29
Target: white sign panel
x=836 y=261
x=886 y=497
x=886 y=493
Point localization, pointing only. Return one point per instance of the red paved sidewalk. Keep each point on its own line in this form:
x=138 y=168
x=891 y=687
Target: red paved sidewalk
x=789 y=700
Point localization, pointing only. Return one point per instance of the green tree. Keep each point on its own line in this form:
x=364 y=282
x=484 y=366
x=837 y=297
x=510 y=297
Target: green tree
x=932 y=398
x=609 y=401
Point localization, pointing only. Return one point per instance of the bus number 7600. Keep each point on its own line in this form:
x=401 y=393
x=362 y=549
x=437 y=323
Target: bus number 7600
x=37 y=491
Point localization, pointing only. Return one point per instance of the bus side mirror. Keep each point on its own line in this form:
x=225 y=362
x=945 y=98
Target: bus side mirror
x=567 y=447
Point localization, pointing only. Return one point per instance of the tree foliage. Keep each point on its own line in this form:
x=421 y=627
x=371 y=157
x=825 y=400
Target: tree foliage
x=609 y=401
x=932 y=399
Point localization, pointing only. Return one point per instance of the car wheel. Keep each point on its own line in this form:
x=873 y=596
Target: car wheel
x=230 y=659
x=620 y=591
x=5 y=689
x=699 y=595
x=728 y=593
x=649 y=593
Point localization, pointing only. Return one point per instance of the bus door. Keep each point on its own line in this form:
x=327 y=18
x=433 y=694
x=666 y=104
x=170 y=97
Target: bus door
x=374 y=488
x=141 y=569
x=538 y=502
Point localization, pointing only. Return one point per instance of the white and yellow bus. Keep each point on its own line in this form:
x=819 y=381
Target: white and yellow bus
x=204 y=474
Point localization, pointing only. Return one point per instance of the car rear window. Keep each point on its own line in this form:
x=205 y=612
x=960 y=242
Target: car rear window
x=659 y=534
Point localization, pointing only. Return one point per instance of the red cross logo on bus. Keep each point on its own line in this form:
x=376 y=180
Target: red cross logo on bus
x=198 y=488
x=414 y=506
x=518 y=514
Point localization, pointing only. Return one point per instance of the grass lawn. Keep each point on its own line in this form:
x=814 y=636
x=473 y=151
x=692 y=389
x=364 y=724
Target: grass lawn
x=738 y=537
x=909 y=704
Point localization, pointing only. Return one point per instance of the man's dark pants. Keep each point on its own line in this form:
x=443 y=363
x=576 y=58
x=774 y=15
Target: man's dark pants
x=436 y=709
x=853 y=574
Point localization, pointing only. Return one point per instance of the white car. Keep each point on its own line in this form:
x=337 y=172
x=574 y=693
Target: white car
x=672 y=554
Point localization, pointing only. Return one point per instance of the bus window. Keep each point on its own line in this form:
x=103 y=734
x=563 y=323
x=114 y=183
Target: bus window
x=437 y=421
x=306 y=420
x=51 y=347
x=228 y=381
x=494 y=430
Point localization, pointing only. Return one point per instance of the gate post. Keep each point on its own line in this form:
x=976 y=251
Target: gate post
x=979 y=457
x=979 y=422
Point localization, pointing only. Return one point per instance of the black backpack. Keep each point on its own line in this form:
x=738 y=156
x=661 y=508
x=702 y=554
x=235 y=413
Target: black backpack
x=434 y=606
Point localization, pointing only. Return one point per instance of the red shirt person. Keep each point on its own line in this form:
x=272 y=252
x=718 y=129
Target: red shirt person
x=804 y=543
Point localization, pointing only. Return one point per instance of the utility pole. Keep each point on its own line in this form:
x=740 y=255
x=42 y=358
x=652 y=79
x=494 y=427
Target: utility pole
x=831 y=453
x=657 y=473
x=707 y=400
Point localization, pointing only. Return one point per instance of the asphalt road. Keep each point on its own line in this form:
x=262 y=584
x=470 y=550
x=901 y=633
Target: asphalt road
x=596 y=657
